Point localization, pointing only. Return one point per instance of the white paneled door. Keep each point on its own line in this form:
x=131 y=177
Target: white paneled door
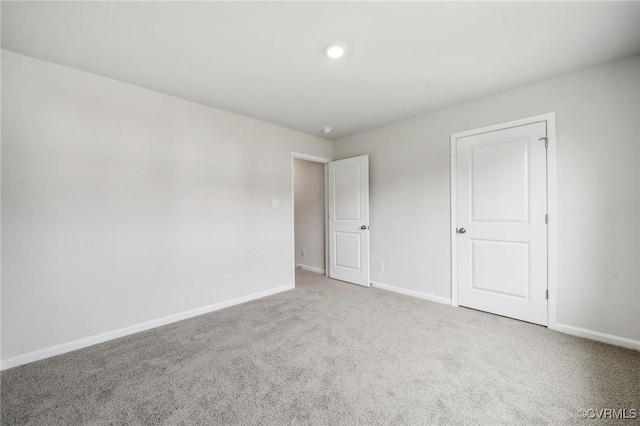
x=349 y=220
x=501 y=222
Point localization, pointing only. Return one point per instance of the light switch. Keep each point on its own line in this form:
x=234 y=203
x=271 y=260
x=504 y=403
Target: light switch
x=275 y=204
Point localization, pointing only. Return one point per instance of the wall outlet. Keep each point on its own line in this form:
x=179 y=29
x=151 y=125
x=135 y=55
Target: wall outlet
x=304 y=252
x=275 y=204
x=380 y=265
x=227 y=279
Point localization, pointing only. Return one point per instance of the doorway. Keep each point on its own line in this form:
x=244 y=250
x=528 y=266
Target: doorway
x=344 y=210
x=309 y=215
x=298 y=244
x=501 y=217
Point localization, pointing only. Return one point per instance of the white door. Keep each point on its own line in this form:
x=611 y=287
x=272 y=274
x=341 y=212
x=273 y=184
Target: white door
x=501 y=222
x=349 y=220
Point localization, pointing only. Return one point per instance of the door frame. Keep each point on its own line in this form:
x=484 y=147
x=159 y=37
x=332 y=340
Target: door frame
x=316 y=159
x=550 y=119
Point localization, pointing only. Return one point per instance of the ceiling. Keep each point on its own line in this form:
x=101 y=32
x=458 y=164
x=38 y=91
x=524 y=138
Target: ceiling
x=265 y=59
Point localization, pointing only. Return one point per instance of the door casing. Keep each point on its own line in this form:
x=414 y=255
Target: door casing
x=550 y=119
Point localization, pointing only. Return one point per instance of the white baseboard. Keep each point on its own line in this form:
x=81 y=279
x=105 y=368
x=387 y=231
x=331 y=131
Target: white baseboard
x=309 y=268
x=420 y=295
x=110 y=335
x=600 y=337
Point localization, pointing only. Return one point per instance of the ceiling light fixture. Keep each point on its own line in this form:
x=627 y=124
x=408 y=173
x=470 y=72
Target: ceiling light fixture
x=326 y=130
x=335 y=50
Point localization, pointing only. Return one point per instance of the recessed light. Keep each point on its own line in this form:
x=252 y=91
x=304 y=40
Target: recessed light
x=335 y=50
x=326 y=130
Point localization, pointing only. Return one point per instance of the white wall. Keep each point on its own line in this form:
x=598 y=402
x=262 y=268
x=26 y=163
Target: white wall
x=121 y=205
x=598 y=192
x=309 y=213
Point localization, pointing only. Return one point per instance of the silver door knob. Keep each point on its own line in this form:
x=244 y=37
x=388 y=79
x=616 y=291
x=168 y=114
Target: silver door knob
x=461 y=230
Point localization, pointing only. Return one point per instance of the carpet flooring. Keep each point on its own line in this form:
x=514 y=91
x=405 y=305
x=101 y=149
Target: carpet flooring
x=328 y=353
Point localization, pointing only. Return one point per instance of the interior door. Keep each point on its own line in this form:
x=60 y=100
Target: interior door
x=501 y=220
x=349 y=220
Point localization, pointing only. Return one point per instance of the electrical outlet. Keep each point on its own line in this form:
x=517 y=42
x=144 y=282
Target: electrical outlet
x=227 y=279
x=380 y=265
x=304 y=252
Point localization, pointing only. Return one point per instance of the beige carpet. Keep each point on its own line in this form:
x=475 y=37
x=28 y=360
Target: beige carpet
x=328 y=353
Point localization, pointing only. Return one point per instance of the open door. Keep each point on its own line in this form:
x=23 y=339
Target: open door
x=349 y=220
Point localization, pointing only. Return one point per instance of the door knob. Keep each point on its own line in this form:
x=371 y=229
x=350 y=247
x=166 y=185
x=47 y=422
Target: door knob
x=364 y=227
x=461 y=230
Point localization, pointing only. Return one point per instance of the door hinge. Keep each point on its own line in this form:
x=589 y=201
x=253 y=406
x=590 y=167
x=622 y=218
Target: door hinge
x=546 y=218
x=546 y=294
x=546 y=141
